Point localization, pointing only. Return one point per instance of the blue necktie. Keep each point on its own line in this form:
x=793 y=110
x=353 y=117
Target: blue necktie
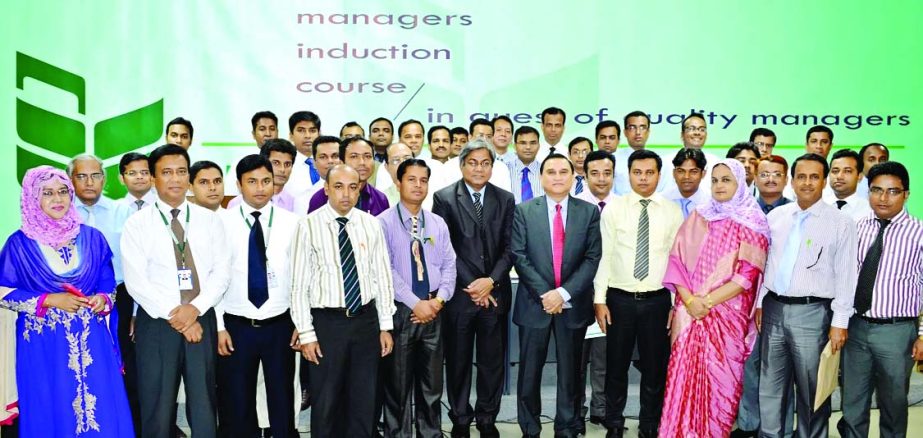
x=257 y=287
x=420 y=283
x=579 y=189
x=685 y=204
x=315 y=175
x=348 y=266
x=525 y=186
x=789 y=256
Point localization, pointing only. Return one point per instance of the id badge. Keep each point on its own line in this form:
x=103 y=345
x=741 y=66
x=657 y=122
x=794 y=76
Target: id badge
x=271 y=281
x=185 y=278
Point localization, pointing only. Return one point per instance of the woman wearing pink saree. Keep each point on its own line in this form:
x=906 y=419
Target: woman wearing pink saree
x=715 y=268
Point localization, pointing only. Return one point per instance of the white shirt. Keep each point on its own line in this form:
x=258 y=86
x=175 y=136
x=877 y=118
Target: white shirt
x=857 y=206
x=317 y=277
x=544 y=149
x=278 y=239
x=698 y=198
x=303 y=200
x=148 y=198
x=150 y=267
x=299 y=180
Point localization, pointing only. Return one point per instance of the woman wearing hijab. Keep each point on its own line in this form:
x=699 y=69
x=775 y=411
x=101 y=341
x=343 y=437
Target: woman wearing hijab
x=715 y=268
x=57 y=275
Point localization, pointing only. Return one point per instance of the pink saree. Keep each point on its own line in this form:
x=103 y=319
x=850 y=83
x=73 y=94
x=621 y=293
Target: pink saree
x=707 y=356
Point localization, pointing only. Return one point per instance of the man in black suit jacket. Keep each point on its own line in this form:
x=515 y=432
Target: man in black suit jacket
x=556 y=265
x=476 y=314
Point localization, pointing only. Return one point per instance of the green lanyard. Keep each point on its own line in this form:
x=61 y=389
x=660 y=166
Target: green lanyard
x=181 y=246
x=272 y=213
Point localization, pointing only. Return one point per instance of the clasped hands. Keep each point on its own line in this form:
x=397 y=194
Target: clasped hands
x=184 y=319
x=425 y=311
x=72 y=303
x=552 y=302
x=479 y=290
x=697 y=307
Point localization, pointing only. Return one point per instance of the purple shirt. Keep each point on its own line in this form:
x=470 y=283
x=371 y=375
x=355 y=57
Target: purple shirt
x=899 y=282
x=437 y=250
x=371 y=200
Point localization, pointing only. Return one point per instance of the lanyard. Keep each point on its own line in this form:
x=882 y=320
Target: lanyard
x=419 y=237
x=272 y=213
x=181 y=246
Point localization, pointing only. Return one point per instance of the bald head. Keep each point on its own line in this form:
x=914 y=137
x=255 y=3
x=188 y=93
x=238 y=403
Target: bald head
x=342 y=188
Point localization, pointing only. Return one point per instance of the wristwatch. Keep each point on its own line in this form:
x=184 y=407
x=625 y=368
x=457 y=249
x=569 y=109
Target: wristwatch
x=440 y=300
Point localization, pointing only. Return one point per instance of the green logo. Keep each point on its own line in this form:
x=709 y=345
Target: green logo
x=54 y=138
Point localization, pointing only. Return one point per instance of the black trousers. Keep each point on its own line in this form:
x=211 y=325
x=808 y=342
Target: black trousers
x=163 y=356
x=125 y=307
x=642 y=322
x=414 y=372
x=343 y=383
x=533 y=349
x=267 y=344
x=461 y=332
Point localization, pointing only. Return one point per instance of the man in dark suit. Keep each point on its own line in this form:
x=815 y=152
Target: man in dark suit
x=479 y=216
x=556 y=246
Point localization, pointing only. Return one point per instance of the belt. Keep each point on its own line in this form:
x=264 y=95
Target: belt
x=284 y=316
x=892 y=320
x=344 y=311
x=797 y=300
x=640 y=295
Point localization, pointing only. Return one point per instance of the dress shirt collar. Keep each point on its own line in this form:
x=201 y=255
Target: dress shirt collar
x=551 y=203
x=852 y=199
x=896 y=220
x=405 y=212
x=635 y=198
x=331 y=215
x=533 y=166
x=264 y=212
x=814 y=210
x=103 y=203
x=165 y=209
x=472 y=191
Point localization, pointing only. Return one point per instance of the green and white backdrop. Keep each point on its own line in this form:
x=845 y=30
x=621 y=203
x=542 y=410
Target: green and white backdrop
x=103 y=76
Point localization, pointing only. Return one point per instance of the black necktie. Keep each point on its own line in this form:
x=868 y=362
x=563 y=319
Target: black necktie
x=869 y=271
x=478 y=208
x=258 y=289
x=602 y=205
x=840 y=203
x=351 y=288
x=139 y=203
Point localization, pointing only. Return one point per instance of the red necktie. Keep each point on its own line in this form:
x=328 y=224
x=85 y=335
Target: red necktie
x=557 y=245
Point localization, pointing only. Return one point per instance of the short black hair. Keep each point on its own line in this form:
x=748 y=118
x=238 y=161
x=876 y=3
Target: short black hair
x=429 y=134
x=609 y=124
x=870 y=145
x=351 y=124
x=811 y=157
x=765 y=132
x=199 y=166
x=405 y=123
x=690 y=154
x=636 y=113
x=523 y=130
x=554 y=111
x=644 y=154
x=818 y=128
x=129 y=158
x=577 y=141
x=692 y=115
x=278 y=145
x=402 y=168
x=458 y=130
x=892 y=168
x=321 y=140
x=249 y=164
x=179 y=121
x=302 y=116
x=480 y=121
x=555 y=156
x=735 y=150
x=493 y=122
x=345 y=144
x=848 y=153
x=381 y=119
x=263 y=115
x=596 y=156
x=163 y=151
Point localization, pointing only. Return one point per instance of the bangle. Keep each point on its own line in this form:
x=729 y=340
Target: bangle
x=708 y=302
x=689 y=300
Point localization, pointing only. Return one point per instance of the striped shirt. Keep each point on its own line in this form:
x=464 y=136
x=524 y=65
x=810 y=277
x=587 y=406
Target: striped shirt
x=824 y=266
x=317 y=280
x=437 y=250
x=516 y=168
x=899 y=282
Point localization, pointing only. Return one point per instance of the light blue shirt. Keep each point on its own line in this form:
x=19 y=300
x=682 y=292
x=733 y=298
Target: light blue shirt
x=551 y=212
x=108 y=217
x=534 y=178
x=472 y=191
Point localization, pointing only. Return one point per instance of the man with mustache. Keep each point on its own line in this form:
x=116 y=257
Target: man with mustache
x=845 y=179
x=357 y=153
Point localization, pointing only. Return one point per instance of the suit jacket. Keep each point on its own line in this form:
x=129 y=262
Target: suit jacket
x=479 y=251
x=531 y=247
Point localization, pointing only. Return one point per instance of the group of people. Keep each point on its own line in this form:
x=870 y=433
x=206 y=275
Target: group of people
x=389 y=279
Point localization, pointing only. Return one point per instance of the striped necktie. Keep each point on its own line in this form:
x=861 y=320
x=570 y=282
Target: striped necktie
x=348 y=266
x=478 y=208
x=641 y=253
x=578 y=189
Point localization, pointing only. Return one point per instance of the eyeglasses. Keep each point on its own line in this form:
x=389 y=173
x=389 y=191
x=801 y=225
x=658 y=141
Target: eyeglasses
x=691 y=129
x=398 y=160
x=768 y=175
x=83 y=177
x=878 y=191
x=49 y=194
x=486 y=164
x=134 y=173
